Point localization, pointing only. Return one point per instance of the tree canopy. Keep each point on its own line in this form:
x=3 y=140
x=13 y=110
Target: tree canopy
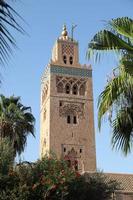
x=52 y=179
x=16 y=122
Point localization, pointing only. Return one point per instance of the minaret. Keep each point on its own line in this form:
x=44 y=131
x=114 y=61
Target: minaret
x=67 y=124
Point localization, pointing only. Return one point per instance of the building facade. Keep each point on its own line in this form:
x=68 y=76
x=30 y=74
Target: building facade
x=67 y=125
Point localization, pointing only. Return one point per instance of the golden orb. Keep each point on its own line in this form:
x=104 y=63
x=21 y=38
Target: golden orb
x=64 y=32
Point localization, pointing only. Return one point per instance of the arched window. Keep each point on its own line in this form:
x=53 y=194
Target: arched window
x=67 y=89
x=60 y=87
x=65 y=59
x=71 y=159
x=68 y=119
x=71 y=60
x=82 y=90
x=75 y=90
x=76 y=165
x=75 y=119
x=60 y=103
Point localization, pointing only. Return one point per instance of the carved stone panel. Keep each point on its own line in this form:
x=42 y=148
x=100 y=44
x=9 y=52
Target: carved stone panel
x=77 y=85
x=73 y=154
x=45 y=91
x=71 y=108
x=67 y=49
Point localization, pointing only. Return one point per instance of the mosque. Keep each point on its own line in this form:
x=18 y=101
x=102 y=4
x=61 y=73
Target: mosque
x=66 y=113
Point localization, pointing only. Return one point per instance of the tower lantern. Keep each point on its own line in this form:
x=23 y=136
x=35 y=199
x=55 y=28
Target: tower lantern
x=65 y=50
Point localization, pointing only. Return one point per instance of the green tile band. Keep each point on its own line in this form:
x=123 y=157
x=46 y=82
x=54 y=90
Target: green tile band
x=71 y=71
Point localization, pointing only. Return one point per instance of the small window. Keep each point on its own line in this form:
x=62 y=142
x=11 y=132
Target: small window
x=80 y=151
x=67 y=89
x=75 y=89
x=60 y=103
x=65 y=59
x=71 y=60
x=82 y=90
x=76 y=165
x=60 y=88
x=64 y=149
x=75 y=120
x=68 y=119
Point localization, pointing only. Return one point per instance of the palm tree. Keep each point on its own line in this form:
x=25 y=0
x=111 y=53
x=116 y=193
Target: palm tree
x=6 y=156
x=7 y=21
x=117 y=97
x=16 y=122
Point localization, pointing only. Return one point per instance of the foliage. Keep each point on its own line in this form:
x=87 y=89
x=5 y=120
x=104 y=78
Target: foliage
x=92 y=187
x=52 y=179
x=8 y=18
x=44 y=179
x=6 y=156
x=16 y=122
x=117 y=97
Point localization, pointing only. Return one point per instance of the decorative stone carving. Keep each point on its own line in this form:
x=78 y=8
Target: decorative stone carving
x=44 y=114
x=74 y=155
x=72 y=71
x=78 y=83
x=67 y=49
x=71 y=108
x=45 y=92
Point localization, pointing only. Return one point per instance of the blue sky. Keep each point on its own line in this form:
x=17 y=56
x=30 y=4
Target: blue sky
x=44 y=24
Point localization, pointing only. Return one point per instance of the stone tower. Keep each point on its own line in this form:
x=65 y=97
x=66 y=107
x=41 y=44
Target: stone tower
x=67 y=125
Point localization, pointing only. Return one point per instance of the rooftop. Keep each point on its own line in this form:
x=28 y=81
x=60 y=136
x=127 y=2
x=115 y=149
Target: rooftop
x=126 y=180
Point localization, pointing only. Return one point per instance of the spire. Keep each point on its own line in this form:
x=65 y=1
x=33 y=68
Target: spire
x=64 y=31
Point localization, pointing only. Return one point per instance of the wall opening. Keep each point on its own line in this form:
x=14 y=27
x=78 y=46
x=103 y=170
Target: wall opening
x=67 y=89
x=75 y=90
x=65 y=59
x=82 y=90
x=71 y=60
x=68 y=119
x=60 y=87
x=75 y=119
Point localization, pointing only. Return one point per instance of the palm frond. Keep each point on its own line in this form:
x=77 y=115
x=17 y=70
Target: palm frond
x=127 y=63
x=106 y=41
x=123 y=130
x=123 y=26
x=109 y=96
x=118 y=92
x=8 y=18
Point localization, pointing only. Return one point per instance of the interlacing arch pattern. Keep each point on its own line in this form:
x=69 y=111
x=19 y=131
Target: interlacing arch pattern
x=67 y=49
x=70 y=85
x=71 y=109
x=44 y=92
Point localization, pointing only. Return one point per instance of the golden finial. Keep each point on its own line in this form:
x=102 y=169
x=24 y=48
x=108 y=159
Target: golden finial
x=64 y=32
